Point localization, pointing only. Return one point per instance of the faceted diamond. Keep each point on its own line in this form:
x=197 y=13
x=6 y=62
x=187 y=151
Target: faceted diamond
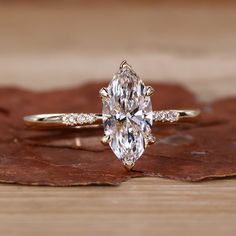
x=80 y=118
x=169 y=116
x=173 y=116
x=91 y=118
x=69 y=119
x=127 y=115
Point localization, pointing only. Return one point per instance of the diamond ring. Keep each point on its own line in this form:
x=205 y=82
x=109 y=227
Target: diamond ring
x=127 y=116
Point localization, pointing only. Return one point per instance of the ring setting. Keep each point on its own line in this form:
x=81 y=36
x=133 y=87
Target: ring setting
x=127 y=116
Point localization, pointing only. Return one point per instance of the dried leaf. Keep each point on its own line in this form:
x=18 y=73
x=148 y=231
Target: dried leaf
x=192 y=152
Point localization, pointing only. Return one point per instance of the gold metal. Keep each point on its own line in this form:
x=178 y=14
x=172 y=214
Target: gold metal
x=128 y=166
x=124 y=64
x=106 y=139
x=150 y=90
x=150 y=140
x=103 y=92
x=48 y=121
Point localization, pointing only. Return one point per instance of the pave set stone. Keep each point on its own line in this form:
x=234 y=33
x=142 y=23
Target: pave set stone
x=166 y=116
x=73 y=119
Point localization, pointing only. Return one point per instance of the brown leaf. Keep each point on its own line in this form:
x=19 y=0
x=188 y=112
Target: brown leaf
x=192 y=152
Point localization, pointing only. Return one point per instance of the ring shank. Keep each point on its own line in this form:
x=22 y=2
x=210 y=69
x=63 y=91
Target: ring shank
x=189 y=115
x=62 y=120
x=85 y=120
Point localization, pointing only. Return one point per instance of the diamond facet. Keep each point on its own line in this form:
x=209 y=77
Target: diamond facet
x=127 y=115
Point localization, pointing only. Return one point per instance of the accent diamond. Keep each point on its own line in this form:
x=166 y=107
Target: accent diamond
x=69 y=119
x=166 y=116
x=173 y=116
x=127 y=115
x=78 y=119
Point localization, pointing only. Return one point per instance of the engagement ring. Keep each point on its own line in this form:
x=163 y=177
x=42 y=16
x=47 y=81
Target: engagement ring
x=127 y=116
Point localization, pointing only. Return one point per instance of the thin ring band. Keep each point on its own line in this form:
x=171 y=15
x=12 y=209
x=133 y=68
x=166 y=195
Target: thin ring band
x=79 y=120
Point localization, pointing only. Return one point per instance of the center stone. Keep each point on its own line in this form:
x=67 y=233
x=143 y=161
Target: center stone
x=127 y=115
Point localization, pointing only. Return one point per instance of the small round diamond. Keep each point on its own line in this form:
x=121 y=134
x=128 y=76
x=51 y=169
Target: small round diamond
x=173 y=116
x=170 y=116
x=91 y=118
x=69 y=119
x=160 y=116
x=157 y=116
x=78 y=119
x=163 y=116
x=81 y=118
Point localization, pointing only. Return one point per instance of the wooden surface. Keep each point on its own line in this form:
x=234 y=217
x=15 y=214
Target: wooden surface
x=43 y=47
x=148 y=206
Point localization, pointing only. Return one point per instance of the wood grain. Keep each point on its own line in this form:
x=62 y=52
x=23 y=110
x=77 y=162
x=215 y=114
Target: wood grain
x=48 y=47
x=145 y=206
x=65 y=46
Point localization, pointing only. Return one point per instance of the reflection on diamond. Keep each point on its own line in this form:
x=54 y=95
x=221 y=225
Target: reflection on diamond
x=127 y=115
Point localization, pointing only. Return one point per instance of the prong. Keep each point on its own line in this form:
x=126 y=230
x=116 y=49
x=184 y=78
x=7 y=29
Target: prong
x=128 y=166
x=106 y=139
x=124 y=64
x=103 y=92
x=149 y=90
x=150 y=140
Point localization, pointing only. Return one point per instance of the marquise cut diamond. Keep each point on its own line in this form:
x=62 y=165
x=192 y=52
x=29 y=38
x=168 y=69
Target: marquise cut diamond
x=127 y=115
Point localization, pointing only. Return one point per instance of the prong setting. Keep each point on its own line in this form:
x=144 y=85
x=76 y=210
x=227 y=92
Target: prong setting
x=124 y=65
x=106 y=139
x=103 y=93
x=149 y=90
x=128 y=165
x=150 y=140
